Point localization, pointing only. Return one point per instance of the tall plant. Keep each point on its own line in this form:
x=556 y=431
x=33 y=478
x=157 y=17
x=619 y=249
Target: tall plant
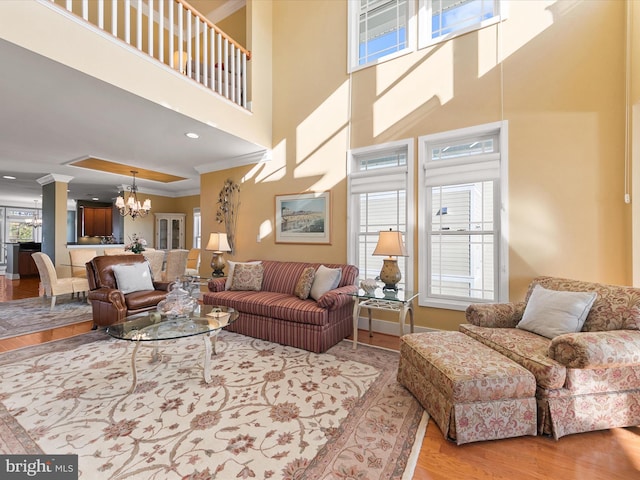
x=228 y=205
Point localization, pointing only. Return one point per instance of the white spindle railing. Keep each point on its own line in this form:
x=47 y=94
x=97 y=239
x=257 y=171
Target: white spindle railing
x=195 y=46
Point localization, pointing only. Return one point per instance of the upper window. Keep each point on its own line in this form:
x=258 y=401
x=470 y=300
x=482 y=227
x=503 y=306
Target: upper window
x=378 y=29
x=383 y=29
x=444 y=19
x=463 y=242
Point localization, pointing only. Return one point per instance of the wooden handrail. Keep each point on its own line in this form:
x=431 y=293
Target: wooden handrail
x=214 y=27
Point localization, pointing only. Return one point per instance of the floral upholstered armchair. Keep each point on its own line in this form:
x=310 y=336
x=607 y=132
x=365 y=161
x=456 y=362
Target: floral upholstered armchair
x=587 y=369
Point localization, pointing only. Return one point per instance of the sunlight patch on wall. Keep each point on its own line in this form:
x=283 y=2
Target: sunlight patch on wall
x=488 y=50
x=330 y=153
x=323 y=123
x=533 y=18
x=273 y=170
x=431 y=77
x=266 y=229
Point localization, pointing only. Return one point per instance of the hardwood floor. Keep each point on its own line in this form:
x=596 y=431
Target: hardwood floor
x=609 y=454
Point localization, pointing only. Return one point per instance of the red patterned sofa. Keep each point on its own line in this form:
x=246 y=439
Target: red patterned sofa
x=586 y=381
x=276 y=314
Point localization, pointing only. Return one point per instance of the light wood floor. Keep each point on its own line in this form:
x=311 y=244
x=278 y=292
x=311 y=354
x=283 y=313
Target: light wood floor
x=609 y=454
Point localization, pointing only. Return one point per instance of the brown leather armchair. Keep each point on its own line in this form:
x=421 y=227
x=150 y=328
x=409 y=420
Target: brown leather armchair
x=109 y=304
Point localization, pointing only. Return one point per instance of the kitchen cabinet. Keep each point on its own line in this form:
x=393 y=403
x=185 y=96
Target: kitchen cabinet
x=96 y=221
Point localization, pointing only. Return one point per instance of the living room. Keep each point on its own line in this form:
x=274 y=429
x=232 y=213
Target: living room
x=555 y=71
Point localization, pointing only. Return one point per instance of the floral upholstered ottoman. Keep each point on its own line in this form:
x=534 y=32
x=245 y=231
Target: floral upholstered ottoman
x=472 y=392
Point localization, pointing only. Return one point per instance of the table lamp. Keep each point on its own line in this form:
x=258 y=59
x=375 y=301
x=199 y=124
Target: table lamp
x=218 y=244
x=390 y=243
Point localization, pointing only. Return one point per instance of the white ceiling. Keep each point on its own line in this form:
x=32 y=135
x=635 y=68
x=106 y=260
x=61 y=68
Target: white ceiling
x=52 y=114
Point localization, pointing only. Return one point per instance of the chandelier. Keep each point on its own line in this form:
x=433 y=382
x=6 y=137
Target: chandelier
x=132 y=206
x=34 y=221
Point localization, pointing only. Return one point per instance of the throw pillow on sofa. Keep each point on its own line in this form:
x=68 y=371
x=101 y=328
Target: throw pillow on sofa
x=303 y=287
x=552 y=312
x=232 y=266
x=247 y=277
x=133 y=278
x=325 y=279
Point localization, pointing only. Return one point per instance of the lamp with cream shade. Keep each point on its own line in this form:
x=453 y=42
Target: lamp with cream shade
x=218 y=244
x=390 y=244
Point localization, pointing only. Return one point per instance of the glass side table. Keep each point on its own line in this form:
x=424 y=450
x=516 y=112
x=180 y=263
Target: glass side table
x=390 y=301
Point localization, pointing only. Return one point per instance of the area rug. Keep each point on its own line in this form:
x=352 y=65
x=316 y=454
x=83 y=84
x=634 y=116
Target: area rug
x=30 y=315
x=270 y=411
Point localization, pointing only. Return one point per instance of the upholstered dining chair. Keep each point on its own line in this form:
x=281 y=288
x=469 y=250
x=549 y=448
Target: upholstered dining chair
x=176 y=264
x=156 y=262
x=79 y=257
x=193 y=262
x=54 y=286
x=117 y=251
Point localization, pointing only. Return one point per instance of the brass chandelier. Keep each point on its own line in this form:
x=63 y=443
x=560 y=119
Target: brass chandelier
x=132 y=206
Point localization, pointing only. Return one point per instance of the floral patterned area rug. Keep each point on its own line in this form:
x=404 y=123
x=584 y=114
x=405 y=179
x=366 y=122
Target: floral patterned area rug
x=270 y=411
x=30 y=315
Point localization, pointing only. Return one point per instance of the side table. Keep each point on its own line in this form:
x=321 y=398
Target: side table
x=390 y=301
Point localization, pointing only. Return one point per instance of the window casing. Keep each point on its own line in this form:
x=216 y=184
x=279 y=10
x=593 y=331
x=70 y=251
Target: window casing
x=380 y=197
x=441 y=20
x=463 y=241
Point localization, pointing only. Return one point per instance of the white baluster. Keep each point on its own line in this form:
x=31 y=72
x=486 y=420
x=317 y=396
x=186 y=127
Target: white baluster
x=225 y=62
x=205 y=57
x=232 y=73
x=197 y=54
x=171 y=50
x=189 y=54
x=180 y=39
x=150 y=29
x=101 y=14
x=161 y=30
x=114 y=17
x=244 y=80
x=85 y=10
x=127 y=21
x=139 y=25
x=220 y=64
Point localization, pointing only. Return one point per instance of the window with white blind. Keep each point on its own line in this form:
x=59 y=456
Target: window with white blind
x=443 y=19
x=379 y=29
x=380 y=193
x=197 y=228
x=463 y=250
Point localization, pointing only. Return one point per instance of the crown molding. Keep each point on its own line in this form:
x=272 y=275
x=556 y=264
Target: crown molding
x=54 y=177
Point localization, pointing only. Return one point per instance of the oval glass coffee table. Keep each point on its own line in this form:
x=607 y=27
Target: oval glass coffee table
x=152 y=327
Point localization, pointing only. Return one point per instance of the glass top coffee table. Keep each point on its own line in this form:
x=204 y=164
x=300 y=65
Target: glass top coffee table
x=153 y=327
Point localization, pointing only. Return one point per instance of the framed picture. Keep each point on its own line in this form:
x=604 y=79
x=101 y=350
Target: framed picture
x=303 y=218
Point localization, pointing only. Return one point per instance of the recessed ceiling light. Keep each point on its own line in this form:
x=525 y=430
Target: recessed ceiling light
x=95 y=199
x=9 y=177
x=192 y=135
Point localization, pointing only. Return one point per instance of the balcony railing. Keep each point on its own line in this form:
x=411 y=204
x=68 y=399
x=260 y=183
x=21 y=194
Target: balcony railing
x=176 y=34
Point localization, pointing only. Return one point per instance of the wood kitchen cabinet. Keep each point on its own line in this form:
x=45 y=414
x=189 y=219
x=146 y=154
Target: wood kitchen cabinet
x=96 y=221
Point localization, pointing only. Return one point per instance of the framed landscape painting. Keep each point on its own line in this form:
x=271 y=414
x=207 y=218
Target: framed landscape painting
x=303 y=218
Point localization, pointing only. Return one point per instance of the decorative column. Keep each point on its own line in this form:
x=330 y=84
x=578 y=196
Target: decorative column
x=54 y=215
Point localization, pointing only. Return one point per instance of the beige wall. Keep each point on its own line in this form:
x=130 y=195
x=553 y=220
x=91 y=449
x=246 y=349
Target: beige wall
x=554 y=71
x=235 y=25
